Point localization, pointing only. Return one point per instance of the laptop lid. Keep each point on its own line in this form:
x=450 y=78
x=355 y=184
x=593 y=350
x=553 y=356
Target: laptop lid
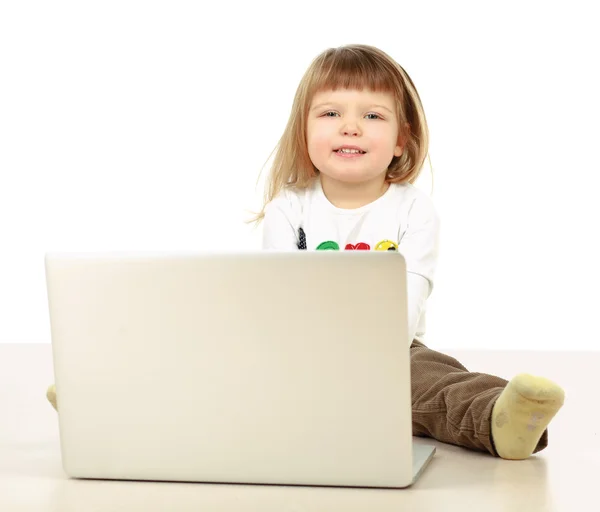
x=268 y=367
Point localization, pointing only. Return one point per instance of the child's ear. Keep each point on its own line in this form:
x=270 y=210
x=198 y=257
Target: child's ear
x=402 y=139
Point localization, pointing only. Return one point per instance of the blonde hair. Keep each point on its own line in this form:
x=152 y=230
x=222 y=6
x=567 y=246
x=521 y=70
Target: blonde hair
x=358 y=67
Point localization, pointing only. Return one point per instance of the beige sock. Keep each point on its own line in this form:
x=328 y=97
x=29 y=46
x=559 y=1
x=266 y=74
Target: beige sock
x=51 y=396
x=522 y=413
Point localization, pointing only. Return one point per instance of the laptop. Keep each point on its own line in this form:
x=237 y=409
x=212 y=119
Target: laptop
x=287 y=368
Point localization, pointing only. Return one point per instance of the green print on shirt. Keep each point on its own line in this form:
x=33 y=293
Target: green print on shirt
x=328 y=246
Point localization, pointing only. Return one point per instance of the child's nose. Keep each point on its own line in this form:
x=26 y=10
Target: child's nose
x=350 y=128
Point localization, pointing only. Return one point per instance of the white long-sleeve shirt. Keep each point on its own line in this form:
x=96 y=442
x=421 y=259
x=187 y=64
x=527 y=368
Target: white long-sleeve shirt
x=403 y=219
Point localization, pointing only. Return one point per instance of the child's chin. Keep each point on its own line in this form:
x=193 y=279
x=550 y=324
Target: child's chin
x=352 y=176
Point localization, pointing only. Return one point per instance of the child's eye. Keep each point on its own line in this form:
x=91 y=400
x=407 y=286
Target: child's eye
x=327 y=114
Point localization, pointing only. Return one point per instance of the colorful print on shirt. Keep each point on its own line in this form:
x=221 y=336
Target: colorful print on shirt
x=331 y=245
x=360 y=246
x=386 y=245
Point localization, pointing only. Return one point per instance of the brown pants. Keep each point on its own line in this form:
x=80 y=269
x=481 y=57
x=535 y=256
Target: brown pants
x=451 y=404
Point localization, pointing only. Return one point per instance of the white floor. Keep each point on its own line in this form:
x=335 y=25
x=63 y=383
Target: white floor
x=558 y=479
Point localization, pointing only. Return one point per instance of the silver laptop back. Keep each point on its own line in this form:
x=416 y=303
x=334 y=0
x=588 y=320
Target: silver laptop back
x=280 y=368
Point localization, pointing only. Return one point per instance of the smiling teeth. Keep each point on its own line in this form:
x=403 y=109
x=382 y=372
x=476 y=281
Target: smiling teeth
x=349 y=151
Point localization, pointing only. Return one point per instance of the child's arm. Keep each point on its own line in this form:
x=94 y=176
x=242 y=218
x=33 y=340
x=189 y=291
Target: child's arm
x=419 y=242
x=418 y=291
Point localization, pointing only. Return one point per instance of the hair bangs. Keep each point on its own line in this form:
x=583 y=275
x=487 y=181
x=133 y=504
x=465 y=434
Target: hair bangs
x=346 y=68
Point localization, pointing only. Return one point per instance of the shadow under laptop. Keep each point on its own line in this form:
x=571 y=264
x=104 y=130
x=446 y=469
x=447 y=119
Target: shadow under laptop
x=235 y=484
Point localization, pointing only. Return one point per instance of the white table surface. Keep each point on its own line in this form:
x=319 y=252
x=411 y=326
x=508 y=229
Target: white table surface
x=563 y=477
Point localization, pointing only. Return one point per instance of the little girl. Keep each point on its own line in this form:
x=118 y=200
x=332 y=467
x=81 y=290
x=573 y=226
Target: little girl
x=342 y=179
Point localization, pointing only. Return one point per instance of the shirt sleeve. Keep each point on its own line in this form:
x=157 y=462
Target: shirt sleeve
x=419 y=240
x=418 y=292
x=279 y=227
x=419 y=244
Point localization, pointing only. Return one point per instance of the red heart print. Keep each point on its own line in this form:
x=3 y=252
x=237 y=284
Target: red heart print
x=360 y=246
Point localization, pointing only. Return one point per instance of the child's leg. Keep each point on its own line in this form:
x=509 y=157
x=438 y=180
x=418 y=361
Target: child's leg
x=456 y=406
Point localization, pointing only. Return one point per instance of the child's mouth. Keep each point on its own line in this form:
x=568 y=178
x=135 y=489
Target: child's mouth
x=349 y=153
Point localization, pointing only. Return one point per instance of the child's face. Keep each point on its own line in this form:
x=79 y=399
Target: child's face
x=364 y=119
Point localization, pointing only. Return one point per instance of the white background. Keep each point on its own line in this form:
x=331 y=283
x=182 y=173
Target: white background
x=144 y=125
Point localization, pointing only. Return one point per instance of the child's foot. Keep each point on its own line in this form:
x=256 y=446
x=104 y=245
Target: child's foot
x=522 y=413
x=51 y=396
